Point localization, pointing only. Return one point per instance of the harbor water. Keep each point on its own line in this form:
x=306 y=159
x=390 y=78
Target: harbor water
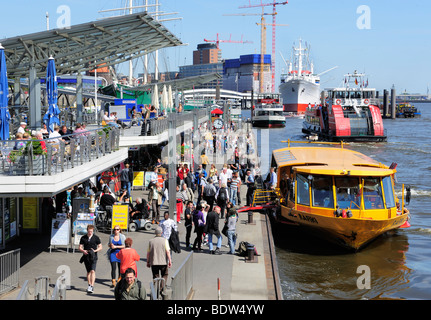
x=396 y=265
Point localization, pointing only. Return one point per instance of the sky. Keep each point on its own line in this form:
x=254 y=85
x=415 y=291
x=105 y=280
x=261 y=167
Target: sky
x=388 y=40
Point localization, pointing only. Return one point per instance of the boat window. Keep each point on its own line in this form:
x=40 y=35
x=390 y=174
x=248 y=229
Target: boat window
x=389 y=192
x=373 y=197
x=278 y=113
x=321 y=191
x=347 y=189
x=303 y=193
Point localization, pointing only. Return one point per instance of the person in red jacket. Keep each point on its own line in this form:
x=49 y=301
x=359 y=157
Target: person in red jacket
x=128 y=257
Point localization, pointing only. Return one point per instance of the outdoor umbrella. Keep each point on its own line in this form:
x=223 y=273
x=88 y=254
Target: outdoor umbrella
x=51 y=116
x=155 y=97
x=4 y=111
x=165 y=99
x=170 y=100
x=217 y=111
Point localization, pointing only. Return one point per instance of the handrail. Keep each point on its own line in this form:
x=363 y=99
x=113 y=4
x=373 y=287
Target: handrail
x=56 y=154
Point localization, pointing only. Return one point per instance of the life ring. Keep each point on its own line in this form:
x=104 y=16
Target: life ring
x=338 y=102
x=366 y=101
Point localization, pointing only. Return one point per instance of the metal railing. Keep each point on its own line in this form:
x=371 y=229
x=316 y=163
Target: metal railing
x=59 y=292
x=182 y=280
x=54 y=155
x=9 y=270
x=156 y=126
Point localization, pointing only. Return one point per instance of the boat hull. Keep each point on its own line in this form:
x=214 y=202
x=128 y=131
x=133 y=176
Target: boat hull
x=341 y=125
x=267 y=123
x=298 y=94
x=349 y=233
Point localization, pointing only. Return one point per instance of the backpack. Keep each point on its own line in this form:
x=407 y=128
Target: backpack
x=242 y=248
x=222 y=194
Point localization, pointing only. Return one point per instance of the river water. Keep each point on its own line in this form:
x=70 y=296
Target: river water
x=398 y=263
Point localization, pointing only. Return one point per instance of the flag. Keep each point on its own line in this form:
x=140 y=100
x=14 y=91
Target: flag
x=356 y=81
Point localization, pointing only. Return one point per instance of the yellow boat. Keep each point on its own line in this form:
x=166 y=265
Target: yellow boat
x=340 y=194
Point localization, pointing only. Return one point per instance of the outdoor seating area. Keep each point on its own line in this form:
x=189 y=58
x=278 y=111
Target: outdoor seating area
x=51 y=156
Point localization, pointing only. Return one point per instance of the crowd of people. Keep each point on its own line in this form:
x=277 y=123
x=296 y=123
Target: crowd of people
x=206 y=199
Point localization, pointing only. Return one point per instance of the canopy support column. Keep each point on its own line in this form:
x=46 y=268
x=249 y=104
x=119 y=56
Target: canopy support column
x=35 y=109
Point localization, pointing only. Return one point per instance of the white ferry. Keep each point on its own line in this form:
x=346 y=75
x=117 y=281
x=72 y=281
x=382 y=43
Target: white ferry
x=268 y=111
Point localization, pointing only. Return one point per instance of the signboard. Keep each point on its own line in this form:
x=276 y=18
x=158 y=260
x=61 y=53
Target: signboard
x=60 y=232
x=81 y=229
x=120 y=216
x=138 y=179
x=29 y=213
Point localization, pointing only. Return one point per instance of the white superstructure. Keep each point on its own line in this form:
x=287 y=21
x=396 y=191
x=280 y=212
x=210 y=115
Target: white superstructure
x=299 y=87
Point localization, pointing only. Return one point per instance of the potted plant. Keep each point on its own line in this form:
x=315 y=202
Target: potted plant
x=20 y=159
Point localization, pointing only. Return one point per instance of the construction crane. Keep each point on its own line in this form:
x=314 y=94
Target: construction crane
x=273 y=24
x=263 y=25
x=218 y=40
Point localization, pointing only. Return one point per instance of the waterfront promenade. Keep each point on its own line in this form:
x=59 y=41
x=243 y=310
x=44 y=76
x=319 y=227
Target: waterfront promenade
x=239 y=279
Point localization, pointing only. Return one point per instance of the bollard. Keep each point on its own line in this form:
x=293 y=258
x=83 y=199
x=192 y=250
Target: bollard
x=250 y=252
x=250 y=217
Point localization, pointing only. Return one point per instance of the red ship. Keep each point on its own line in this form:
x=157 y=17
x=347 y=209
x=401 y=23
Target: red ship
x=348 y=114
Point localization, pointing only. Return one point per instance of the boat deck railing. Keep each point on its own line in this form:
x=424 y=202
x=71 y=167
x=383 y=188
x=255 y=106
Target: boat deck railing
x=55 y=155
x=262 y=197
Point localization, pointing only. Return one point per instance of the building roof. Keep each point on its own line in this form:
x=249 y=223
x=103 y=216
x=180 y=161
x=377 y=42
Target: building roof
x=181 y=84
x=330 y=161
x=81 y=47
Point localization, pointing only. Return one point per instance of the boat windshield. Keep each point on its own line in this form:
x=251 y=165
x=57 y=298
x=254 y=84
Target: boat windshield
x=322 y=193
x=349 y=193
x=373 y=197
x=347 y=189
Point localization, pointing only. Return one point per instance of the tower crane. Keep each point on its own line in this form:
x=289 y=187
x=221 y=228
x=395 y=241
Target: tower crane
x=218 y=40
x=273 y=24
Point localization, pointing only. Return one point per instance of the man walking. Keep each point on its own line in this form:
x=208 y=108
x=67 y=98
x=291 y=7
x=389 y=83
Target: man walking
x=250 y=188
x=212 y=227
x=209 y=193
x=89 y=245
x=159 y=256
x=130 y=288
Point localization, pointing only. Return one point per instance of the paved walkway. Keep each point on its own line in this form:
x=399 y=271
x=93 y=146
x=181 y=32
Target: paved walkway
x=239 y=280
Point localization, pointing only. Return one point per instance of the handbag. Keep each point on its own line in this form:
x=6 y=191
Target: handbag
x=224 y=230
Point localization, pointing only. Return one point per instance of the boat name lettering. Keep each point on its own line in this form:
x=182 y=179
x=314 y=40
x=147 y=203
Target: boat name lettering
x=307 y=218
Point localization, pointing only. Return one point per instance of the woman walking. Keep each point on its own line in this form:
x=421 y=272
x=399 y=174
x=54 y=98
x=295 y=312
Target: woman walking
x=231 y=221
x=115 y=244
x=128 y=257
x=199 y=222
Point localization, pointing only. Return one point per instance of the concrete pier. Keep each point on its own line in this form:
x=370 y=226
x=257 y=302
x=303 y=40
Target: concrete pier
x=239 y=279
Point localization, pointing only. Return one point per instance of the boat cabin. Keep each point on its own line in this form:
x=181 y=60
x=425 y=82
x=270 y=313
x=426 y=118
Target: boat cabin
x=322 y=180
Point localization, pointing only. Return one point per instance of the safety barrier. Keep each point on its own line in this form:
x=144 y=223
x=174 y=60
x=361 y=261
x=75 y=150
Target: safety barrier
x=182 y=280
x=9 y=270
x=54 y=155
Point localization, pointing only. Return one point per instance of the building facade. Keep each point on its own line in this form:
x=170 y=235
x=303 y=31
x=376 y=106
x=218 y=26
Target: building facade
x=243 y=74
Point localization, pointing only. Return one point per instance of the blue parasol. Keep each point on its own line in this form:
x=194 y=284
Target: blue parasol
x=51 y=116
x=4 y=111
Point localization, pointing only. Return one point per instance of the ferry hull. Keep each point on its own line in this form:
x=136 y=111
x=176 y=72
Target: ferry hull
x=298 y=94
x=349 y=233
x=269 y=123
x=340 y=125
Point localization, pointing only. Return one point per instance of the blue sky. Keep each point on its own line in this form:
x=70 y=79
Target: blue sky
x=393 y=51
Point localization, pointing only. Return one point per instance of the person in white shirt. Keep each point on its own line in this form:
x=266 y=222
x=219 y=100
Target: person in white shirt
x=55 y=134
x=222 y=179
x=167 y=225
x=21 y=128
